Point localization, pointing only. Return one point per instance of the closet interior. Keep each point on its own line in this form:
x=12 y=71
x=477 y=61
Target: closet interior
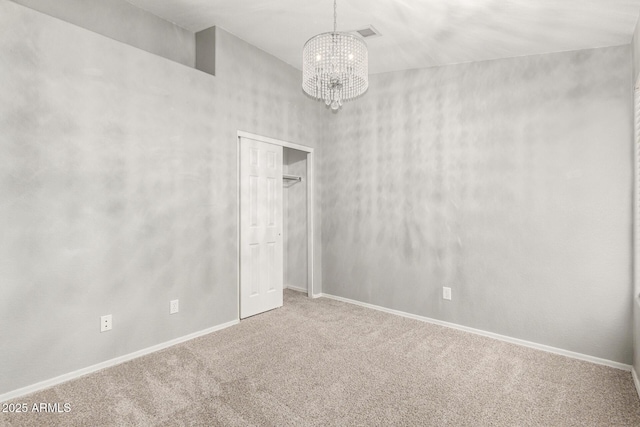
x=295 y=219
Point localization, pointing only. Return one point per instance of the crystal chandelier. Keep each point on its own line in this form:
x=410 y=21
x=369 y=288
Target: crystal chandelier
x=335 y=66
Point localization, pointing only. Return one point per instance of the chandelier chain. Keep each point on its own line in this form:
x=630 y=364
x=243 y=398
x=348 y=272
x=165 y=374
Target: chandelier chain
x=335 y=16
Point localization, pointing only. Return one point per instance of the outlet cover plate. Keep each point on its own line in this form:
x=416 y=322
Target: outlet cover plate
x=173 y=306
x=446 y=293
x=106 y=323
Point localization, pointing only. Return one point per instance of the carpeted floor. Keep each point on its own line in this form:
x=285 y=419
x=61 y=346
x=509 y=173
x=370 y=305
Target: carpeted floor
x=323 y=362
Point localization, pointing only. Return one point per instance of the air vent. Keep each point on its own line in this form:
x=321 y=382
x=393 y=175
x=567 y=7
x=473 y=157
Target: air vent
x=368 y=32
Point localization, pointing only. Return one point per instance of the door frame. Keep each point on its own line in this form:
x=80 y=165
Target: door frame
x=310 y=199
x=636 y=197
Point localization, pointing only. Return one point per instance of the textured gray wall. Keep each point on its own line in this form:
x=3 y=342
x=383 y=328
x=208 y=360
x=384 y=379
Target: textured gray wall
x=124 y=22
x=296 y=221
x=635 y=43
x=118 y=181
x=635 y=48
x=507 y=180
x=206 y=50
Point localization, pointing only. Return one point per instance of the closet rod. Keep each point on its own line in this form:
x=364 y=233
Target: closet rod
x=292 y=177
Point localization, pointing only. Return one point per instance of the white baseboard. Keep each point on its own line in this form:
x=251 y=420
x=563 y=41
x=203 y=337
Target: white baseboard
x=297 y=289
x=109 y=363
x=505 y=338
x=636 y=381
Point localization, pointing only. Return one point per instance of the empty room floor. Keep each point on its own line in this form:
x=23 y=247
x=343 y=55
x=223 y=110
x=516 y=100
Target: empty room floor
x=324 y=362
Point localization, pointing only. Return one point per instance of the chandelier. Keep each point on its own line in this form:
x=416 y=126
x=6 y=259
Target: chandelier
x=335 y=66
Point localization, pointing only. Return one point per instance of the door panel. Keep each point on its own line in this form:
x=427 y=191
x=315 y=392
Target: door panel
x=261 y=253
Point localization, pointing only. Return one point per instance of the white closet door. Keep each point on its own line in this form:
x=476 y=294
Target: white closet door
x=261 y=254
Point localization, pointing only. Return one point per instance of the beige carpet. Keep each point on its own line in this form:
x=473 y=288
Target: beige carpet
x=323 y=362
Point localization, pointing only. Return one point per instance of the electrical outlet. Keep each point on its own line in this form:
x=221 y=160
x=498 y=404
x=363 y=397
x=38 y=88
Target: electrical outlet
x=446 y=293
x=173 y=306
x=105 y=323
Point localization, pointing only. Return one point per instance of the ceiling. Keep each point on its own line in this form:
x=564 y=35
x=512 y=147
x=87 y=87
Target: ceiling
x=415 y=33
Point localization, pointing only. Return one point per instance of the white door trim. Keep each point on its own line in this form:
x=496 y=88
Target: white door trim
x=310 y=199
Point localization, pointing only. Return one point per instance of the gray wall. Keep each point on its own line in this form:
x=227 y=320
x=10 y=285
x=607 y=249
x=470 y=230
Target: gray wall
x=118 y=181
x=635 y=46
x=508 y=181
x=295 y=195
x=124 y=22
x=206 y=50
